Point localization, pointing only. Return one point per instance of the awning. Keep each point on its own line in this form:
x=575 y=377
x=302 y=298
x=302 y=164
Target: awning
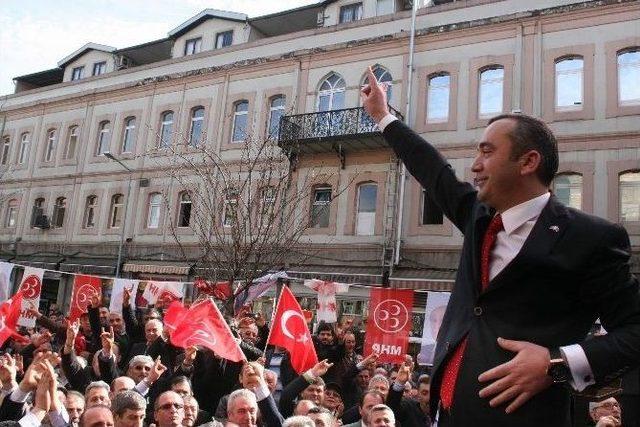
x=101 y=266
x=48 y=262
x=365 y=275
x=423 y=279
x=157 y=267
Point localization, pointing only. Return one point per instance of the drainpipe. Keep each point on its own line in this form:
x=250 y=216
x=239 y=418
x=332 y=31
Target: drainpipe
x=403 y=169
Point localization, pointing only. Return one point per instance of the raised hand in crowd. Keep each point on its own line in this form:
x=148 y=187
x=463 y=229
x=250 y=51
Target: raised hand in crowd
x=107 y=340
x=369 y=362
x=156 y=370
x=126 y=296
x=608 y=421
x=8 y=371
x=73 y=328
x=38 y=339
x=35 y=371
x=32 y=312
x=321 y=368
x=190 y=354
x=404 y=372
x=95 y=301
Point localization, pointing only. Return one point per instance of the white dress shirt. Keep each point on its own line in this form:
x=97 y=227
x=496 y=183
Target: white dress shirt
x=518 y=222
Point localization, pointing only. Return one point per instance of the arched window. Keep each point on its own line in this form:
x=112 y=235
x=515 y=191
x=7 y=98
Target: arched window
x=276 y=111
x=569 y=87
x=320 y=207
x=11 y=215
x=24 y=148
x=57 y=221
x=90 y=210
x=629 y=196
x=331 y=93
x=4 y=150
x=568 y=189
x=197 y=120
x=166 y=129
x=491 y=91
x=72 y=143
x=184 y=210
x=50 y=149
x=153 y=215
x=129 y=134
x=240 y=119
x=629 y=77
x=382 y=76
x=116 y=211
x=438 y=93
x=104 y=129
x=37 y=211
x=366 y=209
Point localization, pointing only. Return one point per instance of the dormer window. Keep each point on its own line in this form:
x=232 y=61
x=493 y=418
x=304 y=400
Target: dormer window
x=99 y=68
x=351 y=12
x=77 y=73
x=224 y=39
x=192 y=46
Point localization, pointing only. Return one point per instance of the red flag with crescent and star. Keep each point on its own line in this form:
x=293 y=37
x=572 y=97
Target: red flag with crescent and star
x=9 y=314
x=203 y=324
x=84 y=288
x=289 y=330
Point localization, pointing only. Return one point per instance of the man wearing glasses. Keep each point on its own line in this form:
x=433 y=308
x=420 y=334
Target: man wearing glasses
x=606 y=413
x=169 y=410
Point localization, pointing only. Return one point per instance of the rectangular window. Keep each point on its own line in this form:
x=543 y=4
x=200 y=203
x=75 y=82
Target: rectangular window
x=629 y=78
x=491 y=92
x=385 y=7
x=224 y=39
x=320 y=209
x=24 y=149
x=99 y=68
x=438 y=93
x=4 y=155
x=77 y=73
x=569 y=76
x=431 y=212
x=230 y=213
x=351 y=12
x=192 y=46
x=12 y=214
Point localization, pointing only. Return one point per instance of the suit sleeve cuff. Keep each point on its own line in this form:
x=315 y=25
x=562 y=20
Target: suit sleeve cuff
x=142 y=387
x=385 y=121
x=19 y=396
x=262 y=391
x=581 y=373
x=59 y=418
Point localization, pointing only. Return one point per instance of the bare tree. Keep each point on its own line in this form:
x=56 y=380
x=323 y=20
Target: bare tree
x=248 y=208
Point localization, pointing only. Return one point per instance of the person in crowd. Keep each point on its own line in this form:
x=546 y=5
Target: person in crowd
x=408 y=411
x=308 y=386
x=190 y=411
x=303 y=406
x=120 y=384
x=75 y=407
x=606 y=413
x=129 y=409
x=380 y=383
x=97 y=416
x=368 y=400
x=97 y=393
x=322 y=417
x=328 y=347
x=382 y=416
x=168 y=410
x=298 y=421
x=521 y=247
x=333 y=399
x=242 y=408
x=249 y=379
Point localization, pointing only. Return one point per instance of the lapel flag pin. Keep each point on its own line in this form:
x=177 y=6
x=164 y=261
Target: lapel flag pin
x=554 y=228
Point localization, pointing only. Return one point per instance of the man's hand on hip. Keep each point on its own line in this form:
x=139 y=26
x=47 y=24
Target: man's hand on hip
x=519 y=379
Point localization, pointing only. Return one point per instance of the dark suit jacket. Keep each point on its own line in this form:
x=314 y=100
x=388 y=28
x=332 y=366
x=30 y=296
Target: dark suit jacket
x=572 y=269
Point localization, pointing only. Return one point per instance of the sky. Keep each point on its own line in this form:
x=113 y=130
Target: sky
x=36 y=34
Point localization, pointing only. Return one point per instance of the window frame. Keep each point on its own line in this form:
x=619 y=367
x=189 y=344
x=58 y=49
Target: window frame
x=192 y=46
x=192 y=125
x=116 y=211
x=72 y=131
x=90 y=212
x=77 y=73
x=99 y=68
x=359 y=189
x=23 y=153
x=487 y=115
x=570 y=174
x=477 y=65
x=428 y=96
x=356 y=12
x=153 y=205
x=50 y=146
x=331 y=92
x=231 y=197
x=6 y=150
x=182 y=203
x=558 y=74
x=166 y=125
x=621 y=187
x=128 y=134
x=280 y=109
x=234 y=121
x=11 y=213
x=37 y=210
x=59 y=209
x=315 y=202
x=103 y=137
x=625 y=51
x=222 y=35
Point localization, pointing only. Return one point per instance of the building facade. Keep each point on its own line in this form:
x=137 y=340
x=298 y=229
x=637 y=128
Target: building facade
x=574 y=64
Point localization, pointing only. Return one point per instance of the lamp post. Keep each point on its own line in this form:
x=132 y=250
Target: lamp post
x=126 y=209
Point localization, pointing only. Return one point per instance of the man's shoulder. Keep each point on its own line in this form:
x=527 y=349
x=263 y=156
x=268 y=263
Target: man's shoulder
x=356 y=424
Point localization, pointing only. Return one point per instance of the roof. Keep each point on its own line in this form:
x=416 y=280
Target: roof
x=43 y=78
x=288 y=21
x=203 y=16
x=146 y=53
x=83 y=49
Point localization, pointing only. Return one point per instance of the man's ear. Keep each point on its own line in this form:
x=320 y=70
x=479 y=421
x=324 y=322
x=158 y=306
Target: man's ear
x=530 y=162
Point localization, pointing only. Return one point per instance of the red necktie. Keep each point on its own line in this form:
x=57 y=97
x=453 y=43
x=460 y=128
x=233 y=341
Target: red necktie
x=451 y=369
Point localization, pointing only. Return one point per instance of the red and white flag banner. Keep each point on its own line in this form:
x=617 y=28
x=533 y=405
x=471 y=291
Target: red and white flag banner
x=30 y=288
x=389 y=324
x=163 y=293
x=84 y=289
x=9 y=313
x=5 y=280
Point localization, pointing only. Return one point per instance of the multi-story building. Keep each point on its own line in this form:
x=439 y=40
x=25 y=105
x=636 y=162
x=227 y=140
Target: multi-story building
x=574 y=63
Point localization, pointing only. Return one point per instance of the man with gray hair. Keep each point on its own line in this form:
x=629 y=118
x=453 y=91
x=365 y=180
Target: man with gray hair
x=379 y=383
x=242 y=408
x=606 y=413
x=128 y=409
x=298 y=421
x=74 y=403
x=97 y=393
x=382 y=416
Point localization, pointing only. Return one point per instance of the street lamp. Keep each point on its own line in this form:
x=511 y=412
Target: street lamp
x=126 y=209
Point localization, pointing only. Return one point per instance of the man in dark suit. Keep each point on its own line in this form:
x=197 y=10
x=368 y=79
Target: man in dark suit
x=533 y=277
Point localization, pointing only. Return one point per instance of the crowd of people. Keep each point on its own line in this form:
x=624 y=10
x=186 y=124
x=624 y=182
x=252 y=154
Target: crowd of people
x=108 y=368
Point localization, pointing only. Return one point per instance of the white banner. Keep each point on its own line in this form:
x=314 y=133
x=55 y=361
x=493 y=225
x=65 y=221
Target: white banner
x=164 y=291
x=434 y=312
x=31 y=288
x=327 y=298
x=115 y=304
x=5 y=280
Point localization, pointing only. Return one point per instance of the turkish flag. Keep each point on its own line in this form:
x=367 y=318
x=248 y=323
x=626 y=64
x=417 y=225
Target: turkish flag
x=9 y=314
x=203 y=324
x=218 y=290
x=289 y=330
x=389 y=324
x=84 y=288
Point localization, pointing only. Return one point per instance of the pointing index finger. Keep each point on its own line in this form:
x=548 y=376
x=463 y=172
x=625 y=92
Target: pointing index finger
x=373 y=82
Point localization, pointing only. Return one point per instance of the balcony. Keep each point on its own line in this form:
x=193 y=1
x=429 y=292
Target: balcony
x=340 y=131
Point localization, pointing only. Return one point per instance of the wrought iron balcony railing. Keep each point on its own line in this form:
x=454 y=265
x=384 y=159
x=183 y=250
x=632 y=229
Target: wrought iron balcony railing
x=346 y=124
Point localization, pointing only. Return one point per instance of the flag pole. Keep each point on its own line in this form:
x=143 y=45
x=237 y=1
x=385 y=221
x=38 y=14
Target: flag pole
x=273 y=313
